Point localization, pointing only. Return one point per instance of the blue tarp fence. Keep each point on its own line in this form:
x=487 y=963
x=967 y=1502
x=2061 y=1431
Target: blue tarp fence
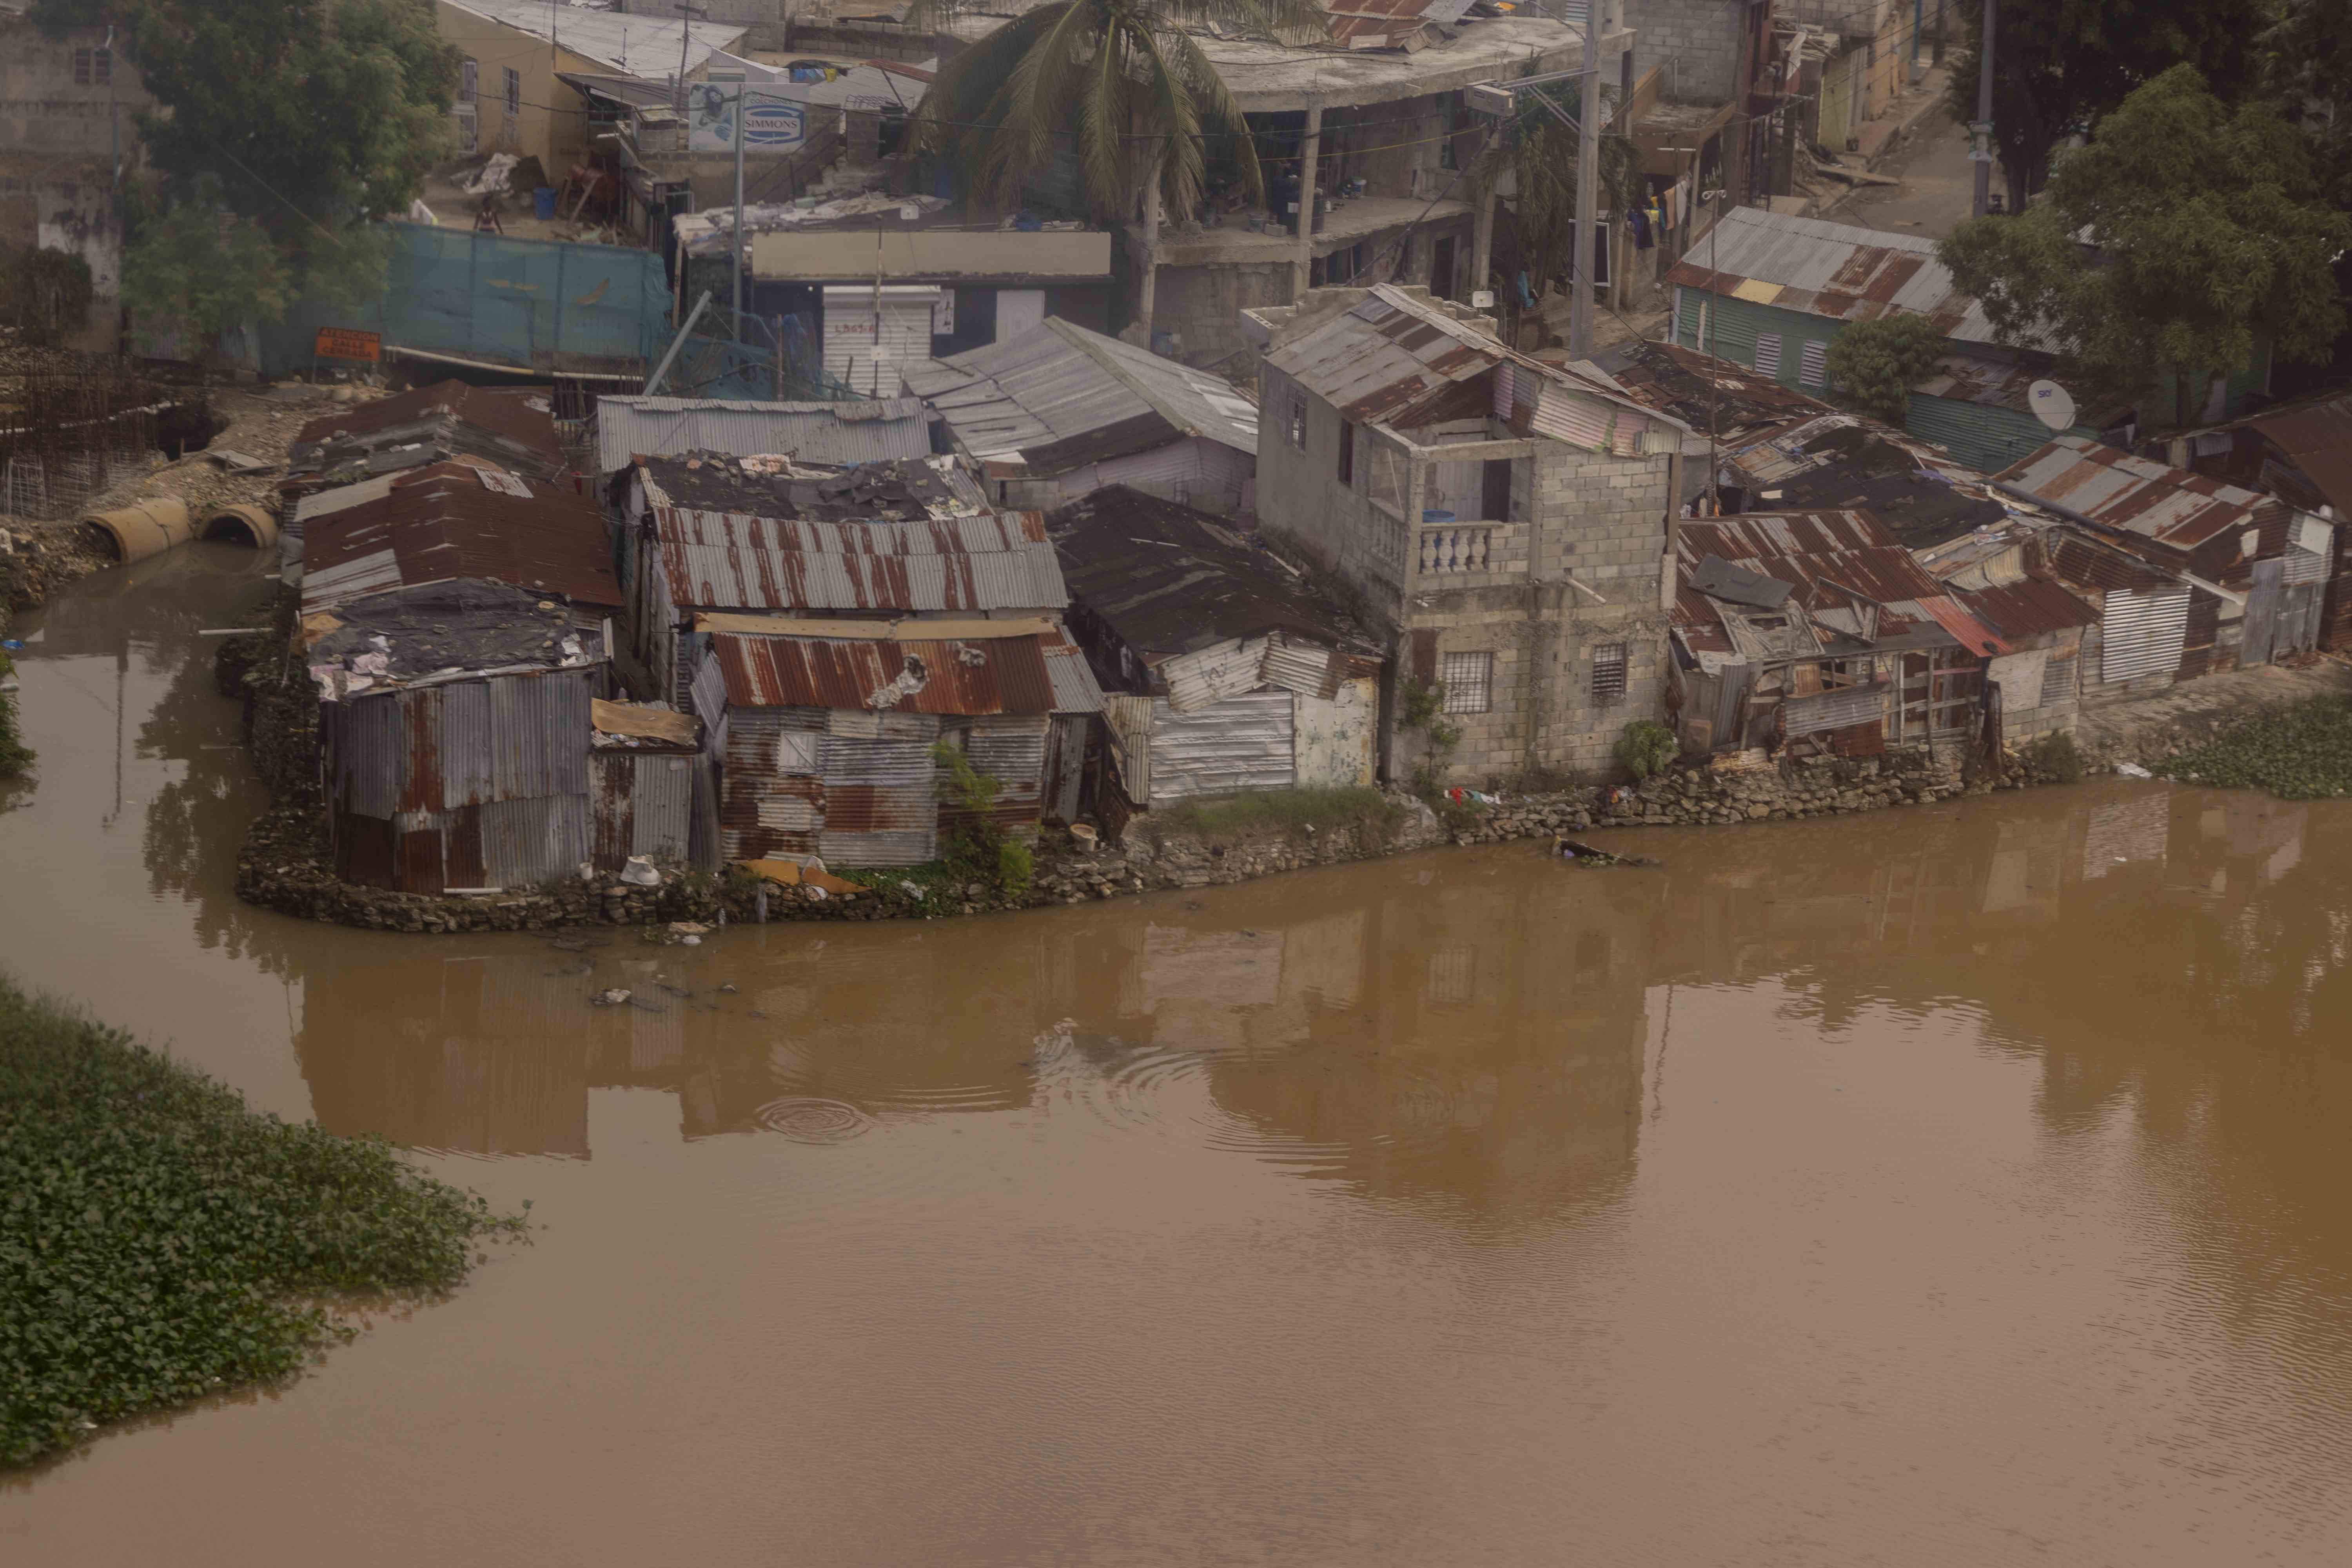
x=533 y=306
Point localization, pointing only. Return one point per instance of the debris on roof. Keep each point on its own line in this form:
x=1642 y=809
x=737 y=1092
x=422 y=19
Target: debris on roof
x=513 y=427
x=859 y=430
x=915 y=675
x=2115 y=490
x=637 y=724
x=450 y=630
x=1169 y=580
x=902 y=491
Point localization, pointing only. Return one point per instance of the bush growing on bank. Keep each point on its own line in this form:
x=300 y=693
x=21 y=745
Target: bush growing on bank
x=2300 y=750
x=1281 y=811
x=159 y=1241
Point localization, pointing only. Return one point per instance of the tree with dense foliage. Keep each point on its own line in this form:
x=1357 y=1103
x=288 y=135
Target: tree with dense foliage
x=2186 y=231
x=1874 y=364
x=2059 y=65
x=304 y=119
x=2306 y=70
x=1539 y=150
x=199 y=270
x=1121 y=83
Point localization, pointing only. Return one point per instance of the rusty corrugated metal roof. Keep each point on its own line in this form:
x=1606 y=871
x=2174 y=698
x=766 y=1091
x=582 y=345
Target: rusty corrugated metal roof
x=999 y=676
x=449 y=522
x=2027 y=607
x=1376 y=23
x=2135 y=495
x=513 y=425
x=1829 y=270
x=1828 y=557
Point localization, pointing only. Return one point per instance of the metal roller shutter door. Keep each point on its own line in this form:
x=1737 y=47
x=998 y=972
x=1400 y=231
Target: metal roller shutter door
x=2142 y=634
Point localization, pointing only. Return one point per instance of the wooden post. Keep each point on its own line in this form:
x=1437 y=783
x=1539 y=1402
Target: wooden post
x=1303 y=266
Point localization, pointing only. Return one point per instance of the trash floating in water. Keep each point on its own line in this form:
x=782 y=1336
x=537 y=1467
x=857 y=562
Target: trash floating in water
x=1583 y=854
x=612 y=998
x=2133 y=770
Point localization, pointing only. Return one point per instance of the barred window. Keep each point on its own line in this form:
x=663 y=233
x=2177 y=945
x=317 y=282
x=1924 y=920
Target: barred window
x=1609 y=672
x=93 y=68
x=1298 y=421
x=514 y=90
x=1469 y=682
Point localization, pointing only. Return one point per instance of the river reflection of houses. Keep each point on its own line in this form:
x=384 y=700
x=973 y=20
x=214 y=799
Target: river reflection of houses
x=1468 y=1030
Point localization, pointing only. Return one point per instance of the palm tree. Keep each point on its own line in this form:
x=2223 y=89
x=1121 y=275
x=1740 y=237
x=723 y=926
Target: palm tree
x=1118 y=81
x=1539 y=150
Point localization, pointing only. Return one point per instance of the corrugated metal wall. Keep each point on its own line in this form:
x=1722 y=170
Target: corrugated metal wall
x=881 y=797
x=1734 y=324
x=643 y=804
x=1130 y=718
x=774 y=796
x=1337 y=739
x=1242 y=742
x=1011 y=749
x=1986 y=437
x=1210 y=675
x=2142 y=634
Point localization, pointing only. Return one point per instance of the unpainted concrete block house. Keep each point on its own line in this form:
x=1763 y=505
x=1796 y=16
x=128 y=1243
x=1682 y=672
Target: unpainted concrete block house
x=1506 y=521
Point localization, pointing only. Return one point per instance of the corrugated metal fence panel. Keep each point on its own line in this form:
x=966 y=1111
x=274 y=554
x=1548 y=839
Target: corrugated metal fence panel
x=469 y=738
x=1130 y=718
x=1212 y=674
x=664 y=806
x=368 y=740
x=2263 y=613
x=1010 y=748
x=881 y=797
x=528 y=841
x=540 y=734
x=2142 y=632
x=1982 y=435
x=1308 y=670
x=1242 y=743
x=1834 y=709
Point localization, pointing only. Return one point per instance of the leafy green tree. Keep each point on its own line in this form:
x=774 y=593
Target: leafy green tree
x=1874 y=364
x=199 y=270
x=1539 y=150
x=305 y=118
x=2306 y=70
x=2183 y=232
x=2059 y=65
x=1118 y=82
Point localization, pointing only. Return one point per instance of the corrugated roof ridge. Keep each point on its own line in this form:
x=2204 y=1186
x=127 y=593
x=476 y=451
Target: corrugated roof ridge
x=1110 y=366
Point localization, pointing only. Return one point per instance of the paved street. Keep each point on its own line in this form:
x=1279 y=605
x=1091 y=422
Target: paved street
x=1936 y=188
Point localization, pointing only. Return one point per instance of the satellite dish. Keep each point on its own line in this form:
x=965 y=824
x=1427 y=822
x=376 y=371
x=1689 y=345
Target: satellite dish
x=2053 y=405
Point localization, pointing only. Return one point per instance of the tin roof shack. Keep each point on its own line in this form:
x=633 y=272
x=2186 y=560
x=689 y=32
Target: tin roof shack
x=1375 y=134
x=453 y=733
x=457 y=631
x=905 y=540
x=1224 y=668
x=1506 y=521
x=1778 y=449
x=1772 y=291
x=824 y=730
x=2301 y=453
x=1059 y=411
x=859 y=430
x=1817 y=632
x=641 y=779
x=510 y=428
x=2249 y=573
x=2003 y=575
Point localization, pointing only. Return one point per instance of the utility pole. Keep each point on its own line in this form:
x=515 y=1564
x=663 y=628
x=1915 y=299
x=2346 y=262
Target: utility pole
x=1980 y=133
x=686 y=14
x=742 y=102
x=1588 y=191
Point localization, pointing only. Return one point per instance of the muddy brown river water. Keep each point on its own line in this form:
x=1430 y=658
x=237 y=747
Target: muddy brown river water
x=1958 y=1186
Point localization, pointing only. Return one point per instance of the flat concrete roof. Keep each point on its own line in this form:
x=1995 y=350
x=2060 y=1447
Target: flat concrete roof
x=859 y=255
x=1269 y=78
x=1347 y=223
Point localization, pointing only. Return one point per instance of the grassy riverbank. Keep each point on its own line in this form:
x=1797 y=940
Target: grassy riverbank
x=2299 y=750
x=159 y=1241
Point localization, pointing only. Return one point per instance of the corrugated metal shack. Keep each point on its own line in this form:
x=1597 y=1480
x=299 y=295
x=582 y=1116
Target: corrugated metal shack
x=714 y=532
x=1226 y=670
x=2005 y=577
x=640 y=780
x=458 y=632
x=2246 y=574
x=1058 y=411
x=859 y=430
x=824 y=730
x=1819 y=633
x=2302 y=454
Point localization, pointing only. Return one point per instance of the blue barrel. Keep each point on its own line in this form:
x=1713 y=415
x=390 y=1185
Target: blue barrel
x=542 y=201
